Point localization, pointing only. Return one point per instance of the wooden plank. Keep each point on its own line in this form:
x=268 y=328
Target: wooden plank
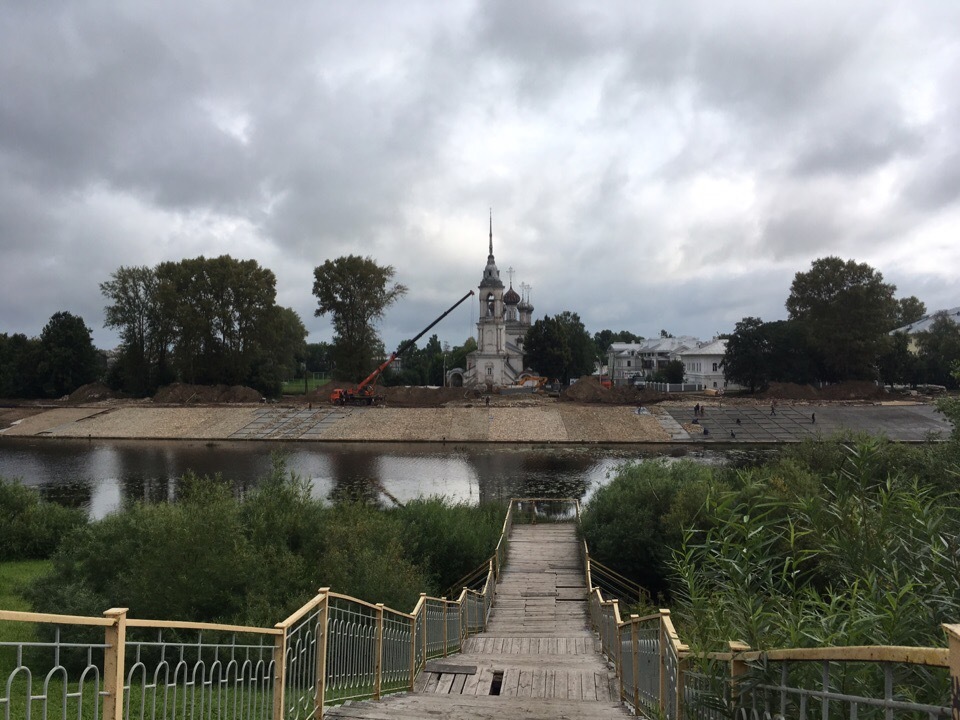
x=537 y=683
x=435 y=666
x=524 y=687
x=549 y=682
x=446 y=682
x=458 y=684
x=511 y=682
x=484 y=679
x=560 y=684
x=471 y=682
x=600 y=687
x=433 y=679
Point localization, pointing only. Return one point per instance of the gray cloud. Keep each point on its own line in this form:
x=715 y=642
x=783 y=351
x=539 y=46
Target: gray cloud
x=649 y=165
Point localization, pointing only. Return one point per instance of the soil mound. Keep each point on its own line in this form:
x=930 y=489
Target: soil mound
x=91 y=392
x=790 y=391
x=402 y=395
x=185 y=394
x=417 y=396
x=589 y=390
x=852 y=390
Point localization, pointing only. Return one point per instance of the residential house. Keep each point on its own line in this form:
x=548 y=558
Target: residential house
x=703 y=364
x=629 y=361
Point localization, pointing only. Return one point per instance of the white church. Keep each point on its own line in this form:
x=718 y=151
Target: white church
x=503 y=322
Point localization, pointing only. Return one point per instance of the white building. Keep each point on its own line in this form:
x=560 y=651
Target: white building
x=703 y=364
x=626 y=361
x=503 y=322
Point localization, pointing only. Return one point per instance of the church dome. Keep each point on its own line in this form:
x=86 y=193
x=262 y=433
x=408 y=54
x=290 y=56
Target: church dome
x=511 y=297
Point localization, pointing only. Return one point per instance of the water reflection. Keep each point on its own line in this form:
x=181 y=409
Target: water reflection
x=101 y=476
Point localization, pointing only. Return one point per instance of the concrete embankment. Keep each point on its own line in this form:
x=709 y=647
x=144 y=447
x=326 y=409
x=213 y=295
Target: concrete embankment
x=542 y=422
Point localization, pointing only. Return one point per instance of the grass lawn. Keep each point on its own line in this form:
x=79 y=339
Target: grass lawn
x=295 y=387
x=13 y=576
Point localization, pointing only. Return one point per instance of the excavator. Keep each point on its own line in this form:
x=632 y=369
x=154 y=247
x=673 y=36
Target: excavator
x=363 y=394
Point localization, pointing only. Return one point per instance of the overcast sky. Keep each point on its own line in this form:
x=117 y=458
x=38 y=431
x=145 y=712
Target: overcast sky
x=650 y=165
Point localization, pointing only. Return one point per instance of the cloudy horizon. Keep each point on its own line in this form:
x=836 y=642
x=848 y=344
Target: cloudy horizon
x=649 y=165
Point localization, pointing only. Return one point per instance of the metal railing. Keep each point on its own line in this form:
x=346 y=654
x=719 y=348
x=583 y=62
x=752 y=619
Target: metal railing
x=660 y=678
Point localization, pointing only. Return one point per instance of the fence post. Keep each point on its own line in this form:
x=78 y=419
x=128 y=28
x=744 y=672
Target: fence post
x=465 y=616
x=279 y=672
x=737 y=668
x=413 y=651
x=444 y=600
x=322 y=640
x=113 y=663
x=378 y=656
x=953 y=635
x=635 y=651
x=662 y=647
x=423 y=624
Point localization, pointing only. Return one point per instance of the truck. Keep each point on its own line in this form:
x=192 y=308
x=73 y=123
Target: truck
x=364 y=393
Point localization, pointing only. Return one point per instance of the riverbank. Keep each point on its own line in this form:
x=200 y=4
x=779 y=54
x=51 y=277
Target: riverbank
x=505 y=420
x=535 y=422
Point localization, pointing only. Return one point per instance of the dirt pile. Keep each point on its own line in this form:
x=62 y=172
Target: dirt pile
x=589 y=390
x=184 y=394
x=853 y=390
x=91 y=392
x=416 y=396
x=790 y=391
x=411 y=396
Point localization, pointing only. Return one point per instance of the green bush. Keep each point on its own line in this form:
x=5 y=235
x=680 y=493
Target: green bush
x=213 y=557
x=449 y=540
x=634 y=523
x=30 y=527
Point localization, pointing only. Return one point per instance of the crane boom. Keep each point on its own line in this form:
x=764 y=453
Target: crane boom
x=362 y=394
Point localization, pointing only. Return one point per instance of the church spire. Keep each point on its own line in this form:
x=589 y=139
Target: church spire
x=491 y=232
x=491 y=275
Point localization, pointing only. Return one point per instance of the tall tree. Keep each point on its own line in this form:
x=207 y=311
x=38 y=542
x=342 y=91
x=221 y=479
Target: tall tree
x=939 y=350
x=223 y=313
x=583 y=356
x=746 y=361
x=546 y=349
x=202 y=320
x=356 y=292
x=19 y=358
x=897 y=365
x=68 y=358
x=133 y=311
x=846 y=310
x=909 y=310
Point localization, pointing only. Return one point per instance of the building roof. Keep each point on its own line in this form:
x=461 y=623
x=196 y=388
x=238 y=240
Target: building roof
x=717 y=346
x=653 y=346
x=926 y=322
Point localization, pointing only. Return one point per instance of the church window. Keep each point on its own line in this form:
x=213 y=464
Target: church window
x=491 y=301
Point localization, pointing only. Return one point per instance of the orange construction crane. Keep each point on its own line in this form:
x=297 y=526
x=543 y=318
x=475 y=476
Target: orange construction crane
x=363 y=394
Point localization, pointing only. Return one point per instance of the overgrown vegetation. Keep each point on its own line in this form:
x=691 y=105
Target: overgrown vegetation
x=213 y=557
x=834 y=543
x=31 y=528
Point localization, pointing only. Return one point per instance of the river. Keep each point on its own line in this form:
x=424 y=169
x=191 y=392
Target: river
x=102 y=475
